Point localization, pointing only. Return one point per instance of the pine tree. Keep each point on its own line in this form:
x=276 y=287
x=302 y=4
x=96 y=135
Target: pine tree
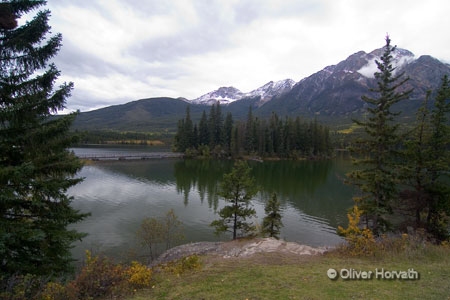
x=377 y=151
x=426 y=163
x=36 y=169
x=227 y=132
x=249 y=136
x=203 y=131
x=212 y=126
x=272 y=221
x=218 y=126
x=180 y=141
x=439 y=164
x=414 y=172
x=188 y=130
x=237 y=188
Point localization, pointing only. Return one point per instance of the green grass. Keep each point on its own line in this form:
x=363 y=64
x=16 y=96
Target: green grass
x=281 y=276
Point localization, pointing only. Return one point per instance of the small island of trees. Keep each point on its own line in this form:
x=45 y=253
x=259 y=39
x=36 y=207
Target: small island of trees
x=275 y=137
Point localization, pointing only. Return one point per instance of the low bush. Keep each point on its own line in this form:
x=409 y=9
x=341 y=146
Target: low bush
x=360 y=241
x=188 y=263
x=21 y=287
x=139 y=276
x=100 y=278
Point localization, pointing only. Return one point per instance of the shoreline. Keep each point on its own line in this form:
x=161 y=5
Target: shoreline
x=238 y=248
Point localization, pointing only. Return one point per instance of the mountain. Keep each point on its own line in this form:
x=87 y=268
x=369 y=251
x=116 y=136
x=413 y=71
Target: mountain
x=334 y=93
x=227 y=95
x=331 y=95
x=153 y=114
x=270 y=90
x=224 y=95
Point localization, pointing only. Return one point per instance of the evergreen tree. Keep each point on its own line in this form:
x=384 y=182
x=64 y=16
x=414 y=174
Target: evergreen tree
x=212 y=126
x=377 y=151
x=203 y=132
x=426 y=163
x=272 y=221
x=180 y=141
x=36 y=169
x=185 y=137
x=227 y=132
x=189 y=129
x=277 y=134
x=439 y=164
x=249 y=130
x=237 y=188
x=414 y=172
x=218 y=126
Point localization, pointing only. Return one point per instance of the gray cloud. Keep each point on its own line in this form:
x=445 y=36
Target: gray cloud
x=122 y=50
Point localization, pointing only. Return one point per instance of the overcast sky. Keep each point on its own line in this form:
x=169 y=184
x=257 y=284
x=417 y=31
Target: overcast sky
x=116 y=51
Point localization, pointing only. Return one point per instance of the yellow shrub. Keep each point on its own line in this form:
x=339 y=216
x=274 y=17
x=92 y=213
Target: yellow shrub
x=100 y=277
x=139 y=276
x=360 y=240
x=54 y=291
x=188 y=263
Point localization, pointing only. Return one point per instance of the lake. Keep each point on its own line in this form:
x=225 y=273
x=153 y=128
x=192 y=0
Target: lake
x=120 y=194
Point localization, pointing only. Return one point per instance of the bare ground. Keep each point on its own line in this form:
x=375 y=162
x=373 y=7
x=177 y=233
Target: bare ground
x=238 y=249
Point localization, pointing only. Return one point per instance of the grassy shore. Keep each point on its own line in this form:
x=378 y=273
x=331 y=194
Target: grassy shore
x=286 y=276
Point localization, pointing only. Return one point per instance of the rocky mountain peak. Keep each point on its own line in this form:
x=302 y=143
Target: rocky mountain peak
x=223 y=95
x=227 y=95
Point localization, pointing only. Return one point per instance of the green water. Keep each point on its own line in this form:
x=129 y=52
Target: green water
x=121 y=194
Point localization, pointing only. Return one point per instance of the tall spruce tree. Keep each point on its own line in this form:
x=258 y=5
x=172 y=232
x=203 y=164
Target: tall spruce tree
x=439 y=164
x=237 y=188
x=377 y=151
x=414 y=171
x=426 y=162
x=36 y=169
x=227 y=132
x=203 y=131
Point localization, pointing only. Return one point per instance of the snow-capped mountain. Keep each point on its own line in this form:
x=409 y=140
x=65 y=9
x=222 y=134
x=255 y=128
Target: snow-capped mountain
x=401 y=57
x=227 y=95
x=337 y=89
x=271 y=89
x=224 y=95
x=332 y=94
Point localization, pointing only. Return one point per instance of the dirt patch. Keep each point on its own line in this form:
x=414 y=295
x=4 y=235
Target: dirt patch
x=238 y=248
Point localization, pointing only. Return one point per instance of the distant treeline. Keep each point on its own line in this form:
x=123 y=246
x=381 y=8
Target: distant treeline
x=220 y=136
x=120 y=137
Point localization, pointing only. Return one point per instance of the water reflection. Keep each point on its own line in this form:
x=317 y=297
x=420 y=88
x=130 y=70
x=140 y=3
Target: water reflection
x=121 y=194
x=312 y=187
x=201 y=176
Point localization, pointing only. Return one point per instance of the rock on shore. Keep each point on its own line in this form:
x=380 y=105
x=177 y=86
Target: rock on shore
x=237 y=248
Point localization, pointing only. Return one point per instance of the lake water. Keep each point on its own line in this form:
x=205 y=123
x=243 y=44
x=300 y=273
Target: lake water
x=120 y=194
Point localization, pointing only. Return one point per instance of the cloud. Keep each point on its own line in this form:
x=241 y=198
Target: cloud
x=121 y=50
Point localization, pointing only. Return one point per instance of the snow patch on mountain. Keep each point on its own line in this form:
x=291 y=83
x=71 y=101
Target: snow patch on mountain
x=223 y=95
x=271 y=89
x=227 y=95
x=401 y=58
x=369 y=69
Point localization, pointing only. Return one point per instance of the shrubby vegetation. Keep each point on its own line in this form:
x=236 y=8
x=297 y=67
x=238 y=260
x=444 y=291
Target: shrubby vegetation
x=99 y=278
x=158 y=235
x=276 y=137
